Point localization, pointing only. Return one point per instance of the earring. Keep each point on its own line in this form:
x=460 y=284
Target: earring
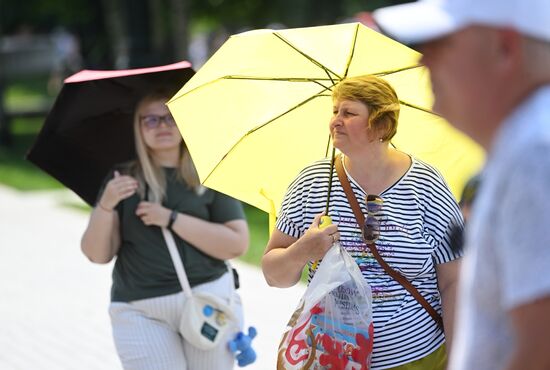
x=381 y=140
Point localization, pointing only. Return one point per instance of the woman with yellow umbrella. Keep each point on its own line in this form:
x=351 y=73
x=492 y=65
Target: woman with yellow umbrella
x=398 y=233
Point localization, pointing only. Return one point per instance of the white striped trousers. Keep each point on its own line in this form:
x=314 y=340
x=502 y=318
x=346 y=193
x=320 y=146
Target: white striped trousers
x=146 y=333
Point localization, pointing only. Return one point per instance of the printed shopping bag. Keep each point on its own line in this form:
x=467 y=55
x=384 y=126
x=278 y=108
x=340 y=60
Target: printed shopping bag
x=332 y=327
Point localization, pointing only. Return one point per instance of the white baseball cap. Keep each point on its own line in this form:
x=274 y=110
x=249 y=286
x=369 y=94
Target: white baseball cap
x=425 y=20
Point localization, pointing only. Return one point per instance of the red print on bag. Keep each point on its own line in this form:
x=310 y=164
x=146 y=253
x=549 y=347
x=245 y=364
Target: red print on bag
x=298 y=349
x=333 y=354
x=335 y=357
x=361 y=354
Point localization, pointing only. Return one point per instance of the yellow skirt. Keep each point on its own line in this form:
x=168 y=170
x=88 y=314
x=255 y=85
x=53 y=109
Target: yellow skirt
x=437 y=360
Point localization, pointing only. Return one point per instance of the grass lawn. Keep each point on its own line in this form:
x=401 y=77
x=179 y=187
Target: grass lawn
x=19 y=173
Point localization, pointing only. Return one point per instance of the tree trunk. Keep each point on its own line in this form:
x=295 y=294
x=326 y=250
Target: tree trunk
x=180 y=27
x=158 y=26
x=115 y=23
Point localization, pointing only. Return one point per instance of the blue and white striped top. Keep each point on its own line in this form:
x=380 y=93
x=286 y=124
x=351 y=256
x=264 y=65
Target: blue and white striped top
x=417 y=215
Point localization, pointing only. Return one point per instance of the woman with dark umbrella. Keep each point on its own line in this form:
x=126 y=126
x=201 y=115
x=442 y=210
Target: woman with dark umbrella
x=161 y=189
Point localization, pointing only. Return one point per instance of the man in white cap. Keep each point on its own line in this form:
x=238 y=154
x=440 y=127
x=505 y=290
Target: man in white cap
x=489 y=62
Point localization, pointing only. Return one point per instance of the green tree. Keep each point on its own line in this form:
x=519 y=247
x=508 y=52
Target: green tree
x=134 y=33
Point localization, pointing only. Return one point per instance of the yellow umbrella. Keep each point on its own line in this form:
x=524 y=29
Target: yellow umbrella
x=258 y=111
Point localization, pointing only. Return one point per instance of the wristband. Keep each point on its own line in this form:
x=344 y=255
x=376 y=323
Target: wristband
x=172 y=219
x=104 y=208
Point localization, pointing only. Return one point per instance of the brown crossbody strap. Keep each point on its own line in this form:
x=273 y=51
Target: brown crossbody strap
x=360 y=218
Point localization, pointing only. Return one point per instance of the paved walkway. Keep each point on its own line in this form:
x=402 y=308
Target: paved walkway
x=53 y=301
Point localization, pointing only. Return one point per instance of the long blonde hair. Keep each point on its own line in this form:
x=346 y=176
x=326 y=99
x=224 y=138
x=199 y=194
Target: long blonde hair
x=150 y=175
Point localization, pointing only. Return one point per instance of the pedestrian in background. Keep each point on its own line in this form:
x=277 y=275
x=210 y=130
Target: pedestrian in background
x=489 y=65
x=162 y=189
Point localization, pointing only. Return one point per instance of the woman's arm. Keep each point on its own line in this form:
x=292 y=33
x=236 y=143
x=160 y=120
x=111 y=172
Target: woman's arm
x=221 y=241
x=282 y=263
x=101 y=239
x=285 y=256
x=447 y=278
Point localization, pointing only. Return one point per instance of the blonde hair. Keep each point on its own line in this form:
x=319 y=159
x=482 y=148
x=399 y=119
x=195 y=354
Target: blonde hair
x=380 y=98
x=146 y=171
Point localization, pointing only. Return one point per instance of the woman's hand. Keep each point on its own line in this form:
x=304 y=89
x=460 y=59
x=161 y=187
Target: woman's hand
x=285 y=256
x=153 y=214
x=316 y=241
x=117 y=189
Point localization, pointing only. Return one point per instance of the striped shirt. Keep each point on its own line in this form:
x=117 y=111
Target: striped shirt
x=415 y=221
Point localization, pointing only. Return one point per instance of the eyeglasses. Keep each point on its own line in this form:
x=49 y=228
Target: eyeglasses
x=371 y=228
x=152 y=121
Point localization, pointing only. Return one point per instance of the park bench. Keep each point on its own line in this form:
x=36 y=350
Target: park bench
x=24 y=58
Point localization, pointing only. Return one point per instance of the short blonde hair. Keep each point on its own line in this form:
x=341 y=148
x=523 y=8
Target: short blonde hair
x=145 y=170
x=380 y=98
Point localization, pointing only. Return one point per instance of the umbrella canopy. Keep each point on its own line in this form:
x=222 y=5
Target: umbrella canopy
x=258 y=111
x=90 y=127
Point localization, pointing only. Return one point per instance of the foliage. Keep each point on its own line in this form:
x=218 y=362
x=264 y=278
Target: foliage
x=44 y=15
x=150 y=40
x=236 y=15
x=259 y=234
x=15 y=171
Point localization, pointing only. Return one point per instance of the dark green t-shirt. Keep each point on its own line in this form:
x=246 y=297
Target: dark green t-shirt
x=143 y=267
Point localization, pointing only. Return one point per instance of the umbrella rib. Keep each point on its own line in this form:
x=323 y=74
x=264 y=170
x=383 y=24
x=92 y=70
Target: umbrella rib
x=280 y=79
x=284 y=113
x=318 y=64
x=259 y=127
x=418 y=107
x=386 y=73
x=352 y=53
x=289 y=79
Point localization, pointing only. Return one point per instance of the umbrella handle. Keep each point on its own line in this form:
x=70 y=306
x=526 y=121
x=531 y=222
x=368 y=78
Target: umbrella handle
x=325 y=221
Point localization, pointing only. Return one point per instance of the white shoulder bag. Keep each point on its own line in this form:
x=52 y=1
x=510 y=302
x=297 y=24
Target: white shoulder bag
x=206 y=318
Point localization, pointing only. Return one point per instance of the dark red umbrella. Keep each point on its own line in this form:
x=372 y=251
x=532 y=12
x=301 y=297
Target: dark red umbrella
x=89 y=128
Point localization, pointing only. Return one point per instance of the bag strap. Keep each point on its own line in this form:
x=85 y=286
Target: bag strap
x=360 y=218
x=180 y=271
x=176 y=259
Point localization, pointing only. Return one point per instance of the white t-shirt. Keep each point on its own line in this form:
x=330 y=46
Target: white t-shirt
x=416 y=217
x=507 y=261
